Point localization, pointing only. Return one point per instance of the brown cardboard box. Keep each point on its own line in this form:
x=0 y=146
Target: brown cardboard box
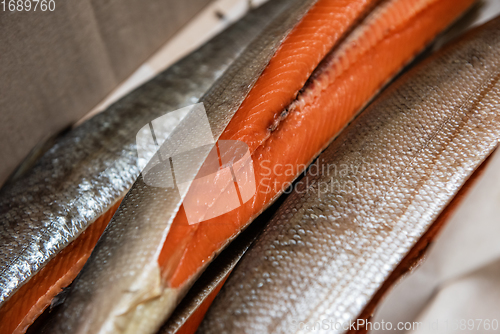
x=57 y=65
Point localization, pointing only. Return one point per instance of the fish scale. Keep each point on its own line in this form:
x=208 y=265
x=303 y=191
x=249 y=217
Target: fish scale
x=336 y=238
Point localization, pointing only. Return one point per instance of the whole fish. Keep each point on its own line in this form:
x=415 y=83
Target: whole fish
x=315 y=56
x=83 y=177
x=370 y=197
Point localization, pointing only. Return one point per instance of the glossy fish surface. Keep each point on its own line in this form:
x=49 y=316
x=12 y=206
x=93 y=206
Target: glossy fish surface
x=84 y=176
x=369 y=198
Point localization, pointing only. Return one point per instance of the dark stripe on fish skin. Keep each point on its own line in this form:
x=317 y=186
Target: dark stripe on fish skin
x=98 y=160
x=324 y=257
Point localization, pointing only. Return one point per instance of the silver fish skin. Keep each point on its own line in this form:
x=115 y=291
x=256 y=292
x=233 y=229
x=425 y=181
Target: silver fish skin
x=88 y=170
x=120 y=288
x=370 y=197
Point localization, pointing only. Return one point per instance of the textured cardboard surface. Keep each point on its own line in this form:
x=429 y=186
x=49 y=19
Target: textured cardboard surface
x=56 y=66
